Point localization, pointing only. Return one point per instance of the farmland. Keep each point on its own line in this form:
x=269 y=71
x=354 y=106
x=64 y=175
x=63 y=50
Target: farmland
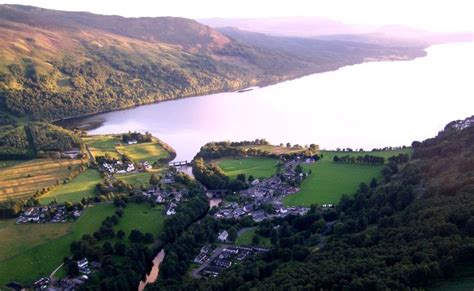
x=330 y=180
x=27 y=262
x=256 y=166
x=100 y=145
x=150 y=151
x=81 y=186
x=23 y=180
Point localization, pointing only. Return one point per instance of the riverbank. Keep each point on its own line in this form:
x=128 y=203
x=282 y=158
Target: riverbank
x=72 y=121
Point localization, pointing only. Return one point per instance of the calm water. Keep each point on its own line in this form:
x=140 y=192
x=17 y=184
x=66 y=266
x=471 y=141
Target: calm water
x=368 y=105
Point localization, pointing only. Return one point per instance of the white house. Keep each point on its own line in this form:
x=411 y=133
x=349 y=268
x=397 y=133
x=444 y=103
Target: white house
x=223 y=236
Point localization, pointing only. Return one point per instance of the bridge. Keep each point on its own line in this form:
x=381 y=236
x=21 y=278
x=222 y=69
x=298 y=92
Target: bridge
x=178 y=163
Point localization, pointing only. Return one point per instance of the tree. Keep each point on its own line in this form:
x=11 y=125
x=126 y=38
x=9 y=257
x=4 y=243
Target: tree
x=72 y=269
x=148 y=238
x=232 y=234
x=135 y=236
x=373 y=183
x=256 y=239
x=241 y=177
x=288 y=145
x=120 y=234
x=251 y=178
x=154 y=180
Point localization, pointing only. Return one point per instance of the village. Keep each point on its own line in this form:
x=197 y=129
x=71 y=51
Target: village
x=263 y=199
x=50 y=214
x=212 y=261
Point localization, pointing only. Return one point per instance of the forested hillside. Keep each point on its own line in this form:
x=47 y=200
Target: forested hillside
x=56 y=64
x=414 y=229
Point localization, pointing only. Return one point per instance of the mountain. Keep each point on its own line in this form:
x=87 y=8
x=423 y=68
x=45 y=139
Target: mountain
x=56 y=64
x=327 y=29
x=289 y=26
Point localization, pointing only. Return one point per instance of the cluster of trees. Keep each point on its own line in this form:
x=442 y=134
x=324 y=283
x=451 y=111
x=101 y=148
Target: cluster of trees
x=407 y=232
x=35 y=139
x=136 y=136
x=366 y=159
x=210 y=175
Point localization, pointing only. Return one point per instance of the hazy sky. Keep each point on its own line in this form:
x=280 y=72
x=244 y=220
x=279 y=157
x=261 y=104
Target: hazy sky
x=436 y=15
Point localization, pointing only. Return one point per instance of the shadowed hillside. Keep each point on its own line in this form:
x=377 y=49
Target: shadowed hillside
x=56 y=64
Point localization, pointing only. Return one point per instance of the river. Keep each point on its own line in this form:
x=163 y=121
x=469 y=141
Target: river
x=368 y=105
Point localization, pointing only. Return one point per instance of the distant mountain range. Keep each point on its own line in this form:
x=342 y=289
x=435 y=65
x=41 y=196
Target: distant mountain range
x=322 y=28
x=56 y=64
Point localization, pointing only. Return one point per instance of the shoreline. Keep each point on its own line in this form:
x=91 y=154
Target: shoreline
x=264 y=83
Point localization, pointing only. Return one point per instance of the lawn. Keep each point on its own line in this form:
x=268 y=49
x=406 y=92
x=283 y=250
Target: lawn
x=24 y=179
x=81 y=186
x=100 y=145
x=30 y=262
x=330 y=180
x=136 y=179
x=256 y=166
x=150 y=151
x=246 y=239
x=142 y=217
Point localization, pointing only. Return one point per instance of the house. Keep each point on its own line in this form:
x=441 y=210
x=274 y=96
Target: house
x=82 y=263
x=130 y=167
x=170 y=211
x=160 y=199
x=257 y=215
x=223 y=236
x=132 y=141
x=255 y=182
x=238 y=212
x=248 y=207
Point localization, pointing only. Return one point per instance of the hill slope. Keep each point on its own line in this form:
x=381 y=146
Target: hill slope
x=56 y=64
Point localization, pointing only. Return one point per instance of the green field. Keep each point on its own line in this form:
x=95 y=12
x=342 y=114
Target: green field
x=81 y=186
x=246 y=239
x=136 y=179
x=142 y=217
x=150 y=151
x=24 y=262
x=330 y=180
x=258 y=167
x=100 y=145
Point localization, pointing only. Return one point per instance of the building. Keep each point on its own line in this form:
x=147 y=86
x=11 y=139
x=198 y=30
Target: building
x=223 y=236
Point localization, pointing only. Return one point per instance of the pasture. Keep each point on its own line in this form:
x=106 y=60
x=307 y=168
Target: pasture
x=23 y=180
x=81 y=186
x=142 y=217
x=150 y=151
x=330 y=180
x=258 y=167
x=25 y=262
x=100 y=145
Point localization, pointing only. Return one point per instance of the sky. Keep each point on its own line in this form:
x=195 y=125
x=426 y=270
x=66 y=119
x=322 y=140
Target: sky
x=433 y=15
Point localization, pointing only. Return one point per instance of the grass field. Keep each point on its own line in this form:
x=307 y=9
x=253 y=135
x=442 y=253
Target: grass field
x=81 y=186
x=330 y=180
x=136 y=179
x=246 y=239
x=24 y=179
x=100 y=145
x=276 y=149
x=142 y=217
x=27 y=263
x=256 y=166
x=150 y=151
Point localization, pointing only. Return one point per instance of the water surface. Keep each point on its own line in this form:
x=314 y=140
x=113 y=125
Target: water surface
x=361 y=106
